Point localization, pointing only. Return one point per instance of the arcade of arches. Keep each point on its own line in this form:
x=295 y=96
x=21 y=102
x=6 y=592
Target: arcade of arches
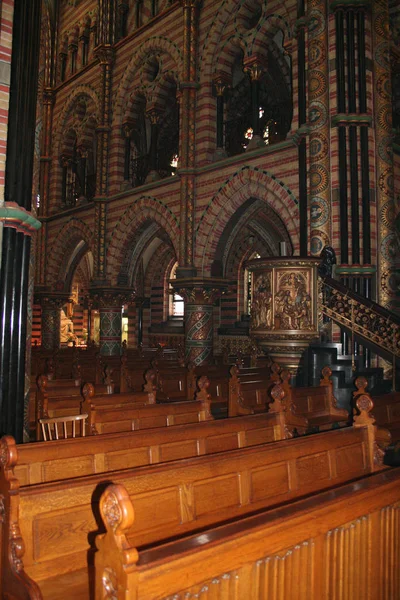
x=177 y=140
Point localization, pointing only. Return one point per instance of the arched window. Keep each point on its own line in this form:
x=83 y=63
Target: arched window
x=176 y=302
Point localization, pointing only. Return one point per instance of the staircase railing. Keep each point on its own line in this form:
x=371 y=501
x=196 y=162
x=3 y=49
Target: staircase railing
x=363 y=318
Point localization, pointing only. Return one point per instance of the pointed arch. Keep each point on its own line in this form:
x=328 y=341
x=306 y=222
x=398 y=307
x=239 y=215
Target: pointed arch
x=70 y=236
x=84 y=91
x=153 y=45
x=246 y=183
x=145 y=209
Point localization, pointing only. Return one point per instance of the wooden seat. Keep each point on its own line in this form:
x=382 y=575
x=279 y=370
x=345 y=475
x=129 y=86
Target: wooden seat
x=313 y=548
x=55 y=428
x=194 y=493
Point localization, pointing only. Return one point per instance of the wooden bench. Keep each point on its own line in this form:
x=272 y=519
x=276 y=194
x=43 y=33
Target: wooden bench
x=56 y=520
x=111 y=419
x=53 y=400
x=318 y=547
x=317 y=404
x=40 y=462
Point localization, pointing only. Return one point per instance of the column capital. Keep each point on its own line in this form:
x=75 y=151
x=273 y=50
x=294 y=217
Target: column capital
x=50 y=300
x=127 y=129
x=154 y=115
x=106 y=297
x=105 y=54
x=221 y=81
x=190 y=3
x=201 y=290
x=255 y=66
x=335 y=5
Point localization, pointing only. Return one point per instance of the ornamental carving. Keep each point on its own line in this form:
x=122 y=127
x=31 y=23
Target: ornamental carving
x=284 y=304
x=111 y=511
x=110 y=584
x=364 y=318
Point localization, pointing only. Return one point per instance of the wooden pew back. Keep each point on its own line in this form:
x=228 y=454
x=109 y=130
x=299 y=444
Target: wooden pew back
x=193 y=493
x=40 y=462
x=315 y=548
x=317 y=404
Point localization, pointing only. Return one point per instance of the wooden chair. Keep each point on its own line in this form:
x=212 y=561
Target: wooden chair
x=54 y=422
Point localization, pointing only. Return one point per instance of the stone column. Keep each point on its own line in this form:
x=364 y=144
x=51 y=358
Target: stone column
x=199 y=295
x=51 y=304
x=109 y=302
x=187 y=163
x=319 y=139
x=105 y=54
x=17 y=222
x=386 y=210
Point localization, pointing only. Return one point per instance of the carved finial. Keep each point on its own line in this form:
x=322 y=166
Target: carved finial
x=361 y=384
x=234 y=371
x=42 y=382
x=116 y=509
x=8 y=452
x=362 y=410
x=108 y=371
x=326 y=373
x=88 y=391
x=202 y=395
x=275 y=370
x=277 y=394
x=203 y=383
x=150 y=386
x=285 y=376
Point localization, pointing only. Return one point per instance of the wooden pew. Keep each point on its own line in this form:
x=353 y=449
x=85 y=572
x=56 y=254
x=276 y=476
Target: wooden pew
x=42 y=462
x=317 y=404
x=59 y=398
x=56 y=519
x=318 y=547
x=110 y=419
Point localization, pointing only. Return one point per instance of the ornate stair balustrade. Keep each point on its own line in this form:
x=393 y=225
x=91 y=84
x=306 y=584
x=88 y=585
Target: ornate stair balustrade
x=362 y=317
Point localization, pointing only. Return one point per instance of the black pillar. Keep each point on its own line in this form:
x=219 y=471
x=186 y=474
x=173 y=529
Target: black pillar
x=16 y=241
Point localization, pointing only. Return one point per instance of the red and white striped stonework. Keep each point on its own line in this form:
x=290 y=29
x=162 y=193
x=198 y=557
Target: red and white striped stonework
x=6 y=26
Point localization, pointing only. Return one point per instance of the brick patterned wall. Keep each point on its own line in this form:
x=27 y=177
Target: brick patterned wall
x=6 y=25
x=222 y=189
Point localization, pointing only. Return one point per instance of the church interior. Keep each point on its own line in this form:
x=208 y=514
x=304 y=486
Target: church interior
x=200 y=283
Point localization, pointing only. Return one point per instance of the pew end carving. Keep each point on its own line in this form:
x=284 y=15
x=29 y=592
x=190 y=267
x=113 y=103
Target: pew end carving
x=115 y=560
x=202 y=396
x=88 y=407
x=236 y=405
x=379 y=437
x=277 y=406
x=150 y=386
x=14 y=582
